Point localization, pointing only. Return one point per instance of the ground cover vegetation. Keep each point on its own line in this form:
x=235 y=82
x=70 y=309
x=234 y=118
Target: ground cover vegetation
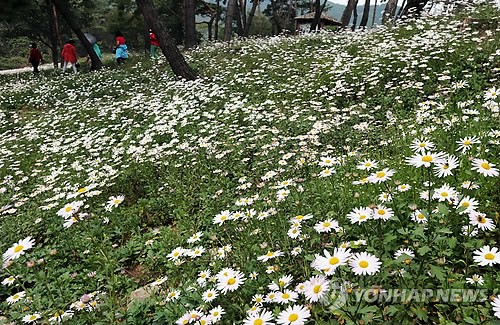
x=295 y=175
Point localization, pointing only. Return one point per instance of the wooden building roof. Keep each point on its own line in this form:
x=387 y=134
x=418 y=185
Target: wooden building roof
x=325 y=19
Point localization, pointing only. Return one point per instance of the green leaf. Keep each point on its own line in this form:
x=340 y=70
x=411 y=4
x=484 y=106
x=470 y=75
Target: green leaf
x=438 y=272
x=392 y=310
x=389 y=238
x=420 y=313
x=419 y=232
x=368 y=309
x=470 y=320
x=423 y=250
x=443 y=209
x=452 y=242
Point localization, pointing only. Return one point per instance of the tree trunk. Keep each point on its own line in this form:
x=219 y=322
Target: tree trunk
x=217 y=12
x=228 y=24
x=389 y=10
x=317 y=16
x=400 y=12
x=355 y=18
x=415 y=6
x=366 y=14
x=239 y=20
x=243 y=13
x=346 y=15
x=275 y=20
x=53 y=35
x=374 y=13
x=147 y=40
x=190 y=24
x=63 y=8
x=167 y=43
x=210 y=27
x=250 y=18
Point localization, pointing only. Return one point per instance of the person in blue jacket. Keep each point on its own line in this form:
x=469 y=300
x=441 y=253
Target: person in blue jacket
x=121 y=53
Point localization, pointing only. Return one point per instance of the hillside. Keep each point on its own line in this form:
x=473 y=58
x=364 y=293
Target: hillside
x=328 y=178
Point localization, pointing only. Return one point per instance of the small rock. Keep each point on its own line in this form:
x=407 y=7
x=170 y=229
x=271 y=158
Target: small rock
x=141 y=294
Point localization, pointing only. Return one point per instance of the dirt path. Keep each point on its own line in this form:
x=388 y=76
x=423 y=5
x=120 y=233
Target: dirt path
x=47 y=66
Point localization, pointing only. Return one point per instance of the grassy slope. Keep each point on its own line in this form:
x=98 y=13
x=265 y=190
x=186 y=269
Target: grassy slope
x=178 y=151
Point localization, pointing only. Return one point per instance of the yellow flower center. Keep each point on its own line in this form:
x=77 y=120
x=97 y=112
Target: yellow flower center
x=466 y=204
x=223 y=218
x=421 y=145
x=116 y=201
x=15 y=297
x=285 y=296
x=381 y=212
x=18 y=248
x=427 y=158
x=380 y=174
x=68 y=209
x=334 y=260
x=363 y=180
x=362 y=217
x=326 y=224
x=485 y=165
x=481 y=219
x=281 y=283
x=445 y=194
x=210 y=294
x=203 y=322
x=231 y=281
x=317 y=289
x=466 y=143
x=172 y=294
x=299 y=217
x=293 y=317
x=215 y=314
x=489 y=256
x=363 y=264
x=176 y=253
x=367 y=164
x=258 y=321
x=269 y=254
x=327 y=161
x=32 y=317
x=421 y=216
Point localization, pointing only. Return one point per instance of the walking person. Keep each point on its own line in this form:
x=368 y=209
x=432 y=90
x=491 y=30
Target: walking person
x=153 y=51
x=69 y=56
x=121 y=53
x=97 y=51
x=35 y=58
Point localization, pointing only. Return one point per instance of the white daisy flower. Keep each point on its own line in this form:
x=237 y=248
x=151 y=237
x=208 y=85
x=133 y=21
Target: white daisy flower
x=294 y=315
x=484 y=167
x=364 y=264
x=316 y=288
x=18 y=249
x=475 y=279
x=263 y=317
x=486 y=256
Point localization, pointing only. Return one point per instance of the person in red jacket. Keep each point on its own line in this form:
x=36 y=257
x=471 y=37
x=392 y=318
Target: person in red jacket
x=35 y=58
x=154 y=45
x=69 y=55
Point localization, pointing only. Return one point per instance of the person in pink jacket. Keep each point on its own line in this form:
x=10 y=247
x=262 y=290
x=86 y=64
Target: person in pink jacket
x=69 y=55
